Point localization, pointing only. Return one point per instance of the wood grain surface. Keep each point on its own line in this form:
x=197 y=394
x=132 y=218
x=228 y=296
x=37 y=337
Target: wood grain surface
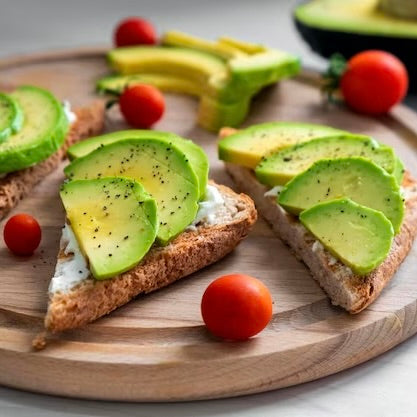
x=156 y=347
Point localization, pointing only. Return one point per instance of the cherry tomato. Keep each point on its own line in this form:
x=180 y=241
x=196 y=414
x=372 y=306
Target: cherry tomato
x=373 y=82
x=22 y=234
x=236 y=307
x=142 y=105
x=134 y=31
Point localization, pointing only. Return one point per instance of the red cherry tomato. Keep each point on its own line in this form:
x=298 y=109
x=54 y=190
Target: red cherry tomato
x=22 y=234
x=236 y=307
x=373 y=82
x=142 y=105
x=134 y=31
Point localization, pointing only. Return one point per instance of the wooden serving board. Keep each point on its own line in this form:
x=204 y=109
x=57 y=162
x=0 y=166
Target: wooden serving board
x=156 y=347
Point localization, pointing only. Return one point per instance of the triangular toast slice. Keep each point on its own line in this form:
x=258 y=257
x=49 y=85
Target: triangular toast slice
x=197 y=247
x=350 y=291
x=16 y=185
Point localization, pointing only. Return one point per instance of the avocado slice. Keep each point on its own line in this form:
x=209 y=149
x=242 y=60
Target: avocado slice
x=11 y=116
x=399 y=170
x=356 y=178
x=248 y=146
x=187 y=63
x=213 y=114
x=195 y=154
x=282 y=166
x=115 y=84
x=357 y=235
x=114 y=221
x=43 y=132
x=248 y=48
x=162 y=168
x=352 y=26
x=181 y=39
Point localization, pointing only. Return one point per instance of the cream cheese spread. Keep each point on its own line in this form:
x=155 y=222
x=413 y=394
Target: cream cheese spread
x=71 y=270
x=273 y=192
x=71 y=116
x=208 y=211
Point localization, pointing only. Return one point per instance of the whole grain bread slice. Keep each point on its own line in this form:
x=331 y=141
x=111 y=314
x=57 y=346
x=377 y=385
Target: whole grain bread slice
x=16 y=185
x=194 y=249
x=344 y=288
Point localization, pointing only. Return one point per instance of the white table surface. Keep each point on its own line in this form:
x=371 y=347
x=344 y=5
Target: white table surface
x=383 y=387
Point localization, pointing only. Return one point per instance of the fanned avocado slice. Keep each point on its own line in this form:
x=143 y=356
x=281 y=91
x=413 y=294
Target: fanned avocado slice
x=161 y=168
x=191 y=64
x=357 y=235
x=356 y=178
x=195 y=154
x=11 y=116
x=225 y=74
x=115 y=84
x=181 y=39
x=399 y=170
x=282 y=166
x=114 y=220
x=248 y=146
x=43 y=132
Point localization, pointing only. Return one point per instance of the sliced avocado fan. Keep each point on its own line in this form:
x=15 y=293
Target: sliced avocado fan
x=194 y=153
x=356 y=178
x=163 y=170
x=225 y=74
x=282 y=166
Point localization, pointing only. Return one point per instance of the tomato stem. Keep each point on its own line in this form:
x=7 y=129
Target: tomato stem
x=333 y=75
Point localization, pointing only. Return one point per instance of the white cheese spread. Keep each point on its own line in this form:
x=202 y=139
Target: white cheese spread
x=71 y=270
x=210 y=210
x=71 y=116
x=273 y=192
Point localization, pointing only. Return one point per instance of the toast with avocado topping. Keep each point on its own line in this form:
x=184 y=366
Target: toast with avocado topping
x=141 y=214
x=37 y=143
x=197 y=247
x=351 y=249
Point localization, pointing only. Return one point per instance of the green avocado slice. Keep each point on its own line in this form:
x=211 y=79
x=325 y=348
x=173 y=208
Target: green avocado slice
x=43 y=132
x=195 y=154
x=184 y=40
x=357 y=235
x=11 y=116
x=248 y=146
x=282 y=166
x=115 y=84
x=114 y=220
x=188 y=63
x=161 y=168
x=356 y=178
x=399 y=170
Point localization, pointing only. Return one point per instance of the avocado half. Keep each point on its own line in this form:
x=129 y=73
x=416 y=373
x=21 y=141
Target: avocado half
x=351 y=26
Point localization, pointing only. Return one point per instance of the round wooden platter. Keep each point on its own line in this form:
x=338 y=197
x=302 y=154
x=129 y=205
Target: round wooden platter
x=156 y=347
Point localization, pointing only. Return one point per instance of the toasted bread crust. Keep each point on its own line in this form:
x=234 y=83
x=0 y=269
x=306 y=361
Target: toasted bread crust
x=350 y=291
x=16 y=185
x=189 y=252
